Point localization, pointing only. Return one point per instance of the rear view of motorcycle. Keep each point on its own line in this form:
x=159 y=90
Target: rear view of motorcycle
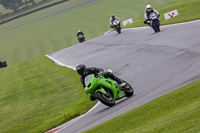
x=116 y=26
x=154 y=22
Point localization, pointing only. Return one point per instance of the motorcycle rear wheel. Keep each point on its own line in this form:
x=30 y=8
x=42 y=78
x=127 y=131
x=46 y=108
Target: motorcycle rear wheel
x=106 y=99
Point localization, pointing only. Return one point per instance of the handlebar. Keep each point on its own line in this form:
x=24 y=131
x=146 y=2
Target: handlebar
x=99 y=74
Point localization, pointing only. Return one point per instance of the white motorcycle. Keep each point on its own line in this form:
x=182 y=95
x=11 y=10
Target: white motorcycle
x=116 y=26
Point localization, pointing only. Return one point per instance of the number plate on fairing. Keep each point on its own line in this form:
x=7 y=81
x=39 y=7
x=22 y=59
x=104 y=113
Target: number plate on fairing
x=121 y=94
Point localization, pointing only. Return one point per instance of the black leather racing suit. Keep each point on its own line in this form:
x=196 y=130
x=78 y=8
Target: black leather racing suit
x=80 y=33
x=147 y=13
x=95 y=71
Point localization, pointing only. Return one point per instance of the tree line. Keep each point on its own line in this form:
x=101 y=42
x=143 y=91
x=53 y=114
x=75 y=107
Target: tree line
x=15 y=4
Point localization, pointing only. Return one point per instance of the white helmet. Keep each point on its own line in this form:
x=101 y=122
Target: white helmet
x=148 y=7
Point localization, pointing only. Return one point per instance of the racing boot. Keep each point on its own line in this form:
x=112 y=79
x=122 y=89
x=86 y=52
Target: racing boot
x=122 y=85
x=92 y=98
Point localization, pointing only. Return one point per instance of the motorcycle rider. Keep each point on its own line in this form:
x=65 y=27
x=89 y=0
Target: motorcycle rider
x=113 y=17
x=84 y=72
x=80 y=34
x=147 y=12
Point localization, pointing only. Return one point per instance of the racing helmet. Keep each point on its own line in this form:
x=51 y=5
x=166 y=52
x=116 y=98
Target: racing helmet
x=81 y=69
x=113 y=17
x=148 y=7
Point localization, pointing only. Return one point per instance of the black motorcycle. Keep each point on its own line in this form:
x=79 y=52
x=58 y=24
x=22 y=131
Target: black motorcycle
x=116 y=26
x=81 y=38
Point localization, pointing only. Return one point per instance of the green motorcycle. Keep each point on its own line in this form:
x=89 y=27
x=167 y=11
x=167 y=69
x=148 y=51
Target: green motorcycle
x=106 y=90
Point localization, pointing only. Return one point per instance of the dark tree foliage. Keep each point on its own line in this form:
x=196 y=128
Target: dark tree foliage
x=11 y=4
x=29 y=1
x=32 y=1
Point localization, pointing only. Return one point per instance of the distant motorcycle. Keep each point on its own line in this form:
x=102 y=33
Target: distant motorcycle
x=116 y=26
x=154 y=22
x=81 y=38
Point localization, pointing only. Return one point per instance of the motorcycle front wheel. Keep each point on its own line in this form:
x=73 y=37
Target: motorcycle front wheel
x=158 y=28
x=118 y=29
x=106 y=99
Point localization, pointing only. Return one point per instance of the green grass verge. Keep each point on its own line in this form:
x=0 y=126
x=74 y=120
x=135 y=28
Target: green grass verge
x=176 y=112
x=38 y=95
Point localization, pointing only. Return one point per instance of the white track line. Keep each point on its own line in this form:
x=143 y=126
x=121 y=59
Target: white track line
x=149 y=27
x=182 y=23
x=107 y=32
x=77 y=118
x=60 y=63
x=164 y=25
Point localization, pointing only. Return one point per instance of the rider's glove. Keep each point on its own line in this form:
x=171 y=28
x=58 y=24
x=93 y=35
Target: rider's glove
x=100 y=73
x=145 y=21
x=111 y=26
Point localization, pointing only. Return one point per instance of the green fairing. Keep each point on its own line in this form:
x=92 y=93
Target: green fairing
x=97 y=84
x=101 y=90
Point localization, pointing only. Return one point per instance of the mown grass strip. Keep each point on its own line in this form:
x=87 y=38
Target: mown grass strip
x=38 y=95
x=176 y=112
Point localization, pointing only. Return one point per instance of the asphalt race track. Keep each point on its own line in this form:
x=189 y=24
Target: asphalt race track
x=153 y=63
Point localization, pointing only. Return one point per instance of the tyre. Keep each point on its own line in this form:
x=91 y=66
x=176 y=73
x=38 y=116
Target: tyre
x=118 y=29
x=128 y=90
x=92 y=98
x=155 y=30
x=81 y=39
x=106 y=99
x=158 y=28
x=154 y=26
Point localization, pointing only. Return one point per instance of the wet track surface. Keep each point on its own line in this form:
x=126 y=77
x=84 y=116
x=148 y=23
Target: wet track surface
x=154 y=64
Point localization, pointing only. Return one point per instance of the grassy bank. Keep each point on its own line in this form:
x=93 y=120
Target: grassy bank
x=188 y=11
x=38 y=95
x=176 y=112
